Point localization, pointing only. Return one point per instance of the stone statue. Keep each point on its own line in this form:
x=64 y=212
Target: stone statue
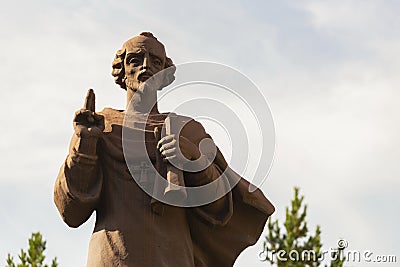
x=132 y=229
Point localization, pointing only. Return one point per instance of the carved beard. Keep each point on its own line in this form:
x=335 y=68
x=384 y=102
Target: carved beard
x=132 y=83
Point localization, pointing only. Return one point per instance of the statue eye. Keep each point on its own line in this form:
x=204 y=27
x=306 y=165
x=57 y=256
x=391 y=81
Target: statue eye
x=134 y=60
x=157 y=62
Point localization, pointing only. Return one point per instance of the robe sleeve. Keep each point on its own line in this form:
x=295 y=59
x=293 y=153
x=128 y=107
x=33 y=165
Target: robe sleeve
x=194 y=131
x=213 y=172
x=218 y=245
x=77 y=188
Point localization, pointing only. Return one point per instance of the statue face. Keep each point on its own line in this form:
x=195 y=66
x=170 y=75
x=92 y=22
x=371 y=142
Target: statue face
x=144 y=57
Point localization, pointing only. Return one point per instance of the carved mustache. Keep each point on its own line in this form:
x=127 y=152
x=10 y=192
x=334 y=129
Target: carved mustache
x=145 y=74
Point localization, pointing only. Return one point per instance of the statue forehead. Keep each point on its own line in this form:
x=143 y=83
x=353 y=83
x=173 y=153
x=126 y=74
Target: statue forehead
x=147 y=43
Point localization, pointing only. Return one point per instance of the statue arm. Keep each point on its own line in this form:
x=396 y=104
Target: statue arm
x=200 y=168
x=219 y=211
x=78 y=185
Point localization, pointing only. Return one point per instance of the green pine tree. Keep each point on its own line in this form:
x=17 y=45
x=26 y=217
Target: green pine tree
x=292 y=245
x=34 y=257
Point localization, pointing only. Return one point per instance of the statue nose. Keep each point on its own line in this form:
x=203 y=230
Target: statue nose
x=146 y=62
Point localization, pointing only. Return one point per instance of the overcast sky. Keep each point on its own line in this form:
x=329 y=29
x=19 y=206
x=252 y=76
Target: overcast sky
x=329 y=70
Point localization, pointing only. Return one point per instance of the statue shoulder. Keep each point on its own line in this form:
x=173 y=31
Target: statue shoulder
x=112 y=116
x=189 y=124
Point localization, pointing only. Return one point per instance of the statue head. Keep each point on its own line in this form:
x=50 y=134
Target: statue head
x=140 y=58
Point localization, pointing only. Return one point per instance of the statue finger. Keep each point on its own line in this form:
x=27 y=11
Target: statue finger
x=90 y=101
x=82 y=116
x=167 y=146
x=173 y=158
x=82 y=112
x=165 y=139
x=99 y=120
x=157 y=134
x=168 y=152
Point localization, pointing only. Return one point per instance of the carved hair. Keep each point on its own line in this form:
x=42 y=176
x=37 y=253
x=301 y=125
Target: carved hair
x=118 y=69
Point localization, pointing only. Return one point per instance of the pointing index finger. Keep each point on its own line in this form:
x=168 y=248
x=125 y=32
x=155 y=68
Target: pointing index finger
x=90 y=101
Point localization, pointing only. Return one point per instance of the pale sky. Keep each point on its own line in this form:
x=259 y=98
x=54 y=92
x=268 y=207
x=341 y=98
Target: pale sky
x=329 y=70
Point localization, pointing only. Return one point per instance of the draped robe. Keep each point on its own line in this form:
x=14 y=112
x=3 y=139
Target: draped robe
x=129 y=231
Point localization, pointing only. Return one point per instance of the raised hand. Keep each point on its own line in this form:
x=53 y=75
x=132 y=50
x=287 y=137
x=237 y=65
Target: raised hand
x=87 y=123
